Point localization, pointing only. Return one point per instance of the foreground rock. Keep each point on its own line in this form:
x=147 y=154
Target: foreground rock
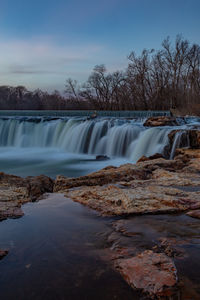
x=160 y=121
x=150 y=186
x=15 y=191
x=153 y=273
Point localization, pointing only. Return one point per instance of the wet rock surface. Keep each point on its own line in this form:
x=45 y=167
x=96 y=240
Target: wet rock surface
x=15 y=191
x=150 y=186
x=194 y=213
x=188 y=138
x=156 y=255
x=160 y=121
x=153 y=273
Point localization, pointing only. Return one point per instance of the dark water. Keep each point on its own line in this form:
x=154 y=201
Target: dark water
x=55 y=252
x=52 y=255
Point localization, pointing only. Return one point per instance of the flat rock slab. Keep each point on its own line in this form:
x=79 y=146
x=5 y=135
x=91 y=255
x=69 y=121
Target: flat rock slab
x=153 y=273
x=150 y=186
x=160 y=121
x=15 y=191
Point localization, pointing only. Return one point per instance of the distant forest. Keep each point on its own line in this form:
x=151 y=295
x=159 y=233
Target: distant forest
x=154 y=80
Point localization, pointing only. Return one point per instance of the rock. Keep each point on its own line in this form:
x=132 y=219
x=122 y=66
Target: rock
x=194 y=137
x=160 y=121
x=141 y=199
x=105 y=176
x=194 y=214
x=3 y=253
x=171 y=247
x=145 y=158
x=11 y=180
x=15 y=191
x=102 y=157
x=151 y=186
x=188 y=138
x=153 y=273
x=37 y=186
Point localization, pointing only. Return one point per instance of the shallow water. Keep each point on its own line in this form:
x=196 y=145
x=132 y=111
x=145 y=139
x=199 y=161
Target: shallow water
x=52 y=255
x=56 y=251
x=51 y=162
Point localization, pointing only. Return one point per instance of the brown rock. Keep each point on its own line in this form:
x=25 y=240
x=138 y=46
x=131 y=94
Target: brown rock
x=194 y=214
x=105 y=176
x=38 y=185
x=15 y=191
x=145 y=158
x=152 y=273
x=151 y=186
x=189 y=138
x=194 y=136
x=160 y=121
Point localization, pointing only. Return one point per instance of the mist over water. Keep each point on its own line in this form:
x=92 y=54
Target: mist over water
x=69 y=145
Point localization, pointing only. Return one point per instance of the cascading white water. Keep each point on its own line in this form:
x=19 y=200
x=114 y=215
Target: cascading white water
x=115 y=138
x=69 y=145
x=178 y=140
x=149 y=142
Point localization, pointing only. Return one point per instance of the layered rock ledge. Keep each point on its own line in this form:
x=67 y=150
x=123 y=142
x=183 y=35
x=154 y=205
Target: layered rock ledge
x=151 y=186
x=15 y=191
x=160 y=121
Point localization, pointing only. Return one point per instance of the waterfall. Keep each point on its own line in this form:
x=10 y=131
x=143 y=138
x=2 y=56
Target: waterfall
x=149 y=142
x=111 y=137
x=181 y=139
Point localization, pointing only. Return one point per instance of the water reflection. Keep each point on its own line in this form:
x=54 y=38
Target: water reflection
x=52 y=255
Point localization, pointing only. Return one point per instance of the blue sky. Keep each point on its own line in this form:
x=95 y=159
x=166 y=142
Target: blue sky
x=43 y=42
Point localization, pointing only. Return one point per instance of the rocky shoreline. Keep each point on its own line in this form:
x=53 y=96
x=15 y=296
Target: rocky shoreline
x=154 y=185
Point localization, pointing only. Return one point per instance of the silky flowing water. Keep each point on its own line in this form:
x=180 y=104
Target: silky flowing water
x=31 y=145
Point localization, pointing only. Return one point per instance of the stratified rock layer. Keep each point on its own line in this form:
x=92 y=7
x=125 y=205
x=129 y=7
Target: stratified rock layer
x=15 y=191
x=150 y=186
x=160 y=121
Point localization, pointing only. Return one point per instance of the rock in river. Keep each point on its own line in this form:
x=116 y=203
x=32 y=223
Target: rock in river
x=153 y=273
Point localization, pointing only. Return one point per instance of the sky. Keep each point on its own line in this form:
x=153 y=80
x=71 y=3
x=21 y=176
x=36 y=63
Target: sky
x=44 y=42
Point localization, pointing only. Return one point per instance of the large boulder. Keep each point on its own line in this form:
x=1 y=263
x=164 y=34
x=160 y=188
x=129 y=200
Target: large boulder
x=160 y=121
x=38 y=185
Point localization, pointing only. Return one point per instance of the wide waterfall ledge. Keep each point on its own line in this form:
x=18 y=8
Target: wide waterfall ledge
x=31 y=145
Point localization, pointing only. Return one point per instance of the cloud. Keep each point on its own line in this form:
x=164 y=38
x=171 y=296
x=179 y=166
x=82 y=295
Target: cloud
x=43 y=63
x=36 y=57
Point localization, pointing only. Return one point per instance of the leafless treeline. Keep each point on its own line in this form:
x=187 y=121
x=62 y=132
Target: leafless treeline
x=163 y=79
x=155 y=79
x=22 y=99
